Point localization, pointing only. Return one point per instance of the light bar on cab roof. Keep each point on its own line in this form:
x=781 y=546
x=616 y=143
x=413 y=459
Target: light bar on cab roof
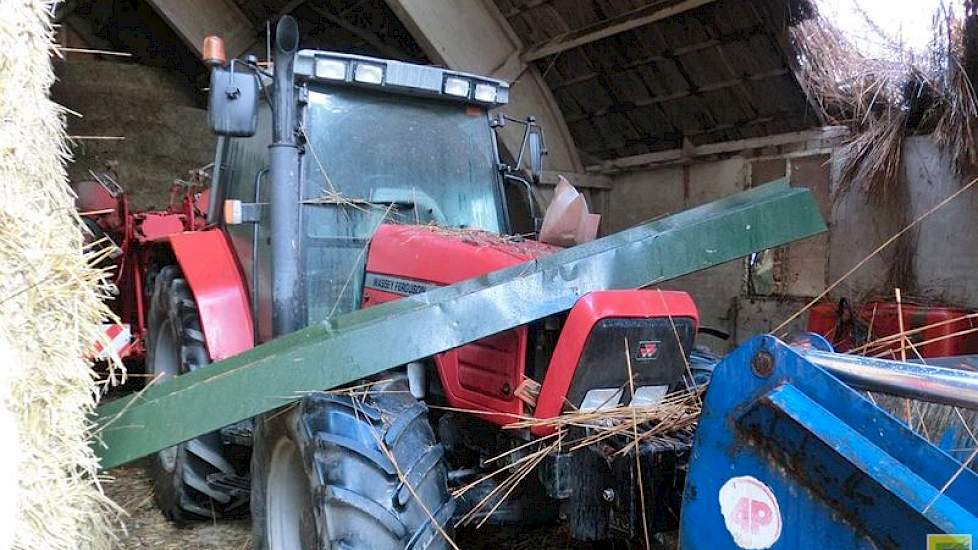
x=400 y=77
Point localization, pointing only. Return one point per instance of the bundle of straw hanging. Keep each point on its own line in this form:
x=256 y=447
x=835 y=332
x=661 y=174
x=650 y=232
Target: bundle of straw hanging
x=50 y=309
x=865 y=94
x=899 y=93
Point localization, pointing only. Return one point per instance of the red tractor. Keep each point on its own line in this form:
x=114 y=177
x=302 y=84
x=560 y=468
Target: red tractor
x=341 y=182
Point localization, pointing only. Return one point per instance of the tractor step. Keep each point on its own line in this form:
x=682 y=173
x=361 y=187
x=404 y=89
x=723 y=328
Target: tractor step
x=239 y=433
x=236 y=486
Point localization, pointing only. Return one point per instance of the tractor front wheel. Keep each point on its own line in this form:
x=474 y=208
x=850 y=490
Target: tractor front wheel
x=196 y=479
x=357 y=473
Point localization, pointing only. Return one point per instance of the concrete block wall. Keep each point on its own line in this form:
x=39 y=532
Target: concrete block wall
x=641 y=196
x=943 y=248
x=946 y=244
x=720 y=292
x=157 y=112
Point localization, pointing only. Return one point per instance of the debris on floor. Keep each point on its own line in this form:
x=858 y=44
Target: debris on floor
x=145 y=526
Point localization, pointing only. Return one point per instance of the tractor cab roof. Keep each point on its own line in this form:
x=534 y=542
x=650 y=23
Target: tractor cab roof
x=400 y=77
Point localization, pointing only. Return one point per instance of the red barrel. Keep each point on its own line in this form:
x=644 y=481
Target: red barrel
x=951 y=330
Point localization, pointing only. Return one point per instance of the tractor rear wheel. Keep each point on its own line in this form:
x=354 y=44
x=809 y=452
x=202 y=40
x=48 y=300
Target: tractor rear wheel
x=323 y=475
x=196 y=479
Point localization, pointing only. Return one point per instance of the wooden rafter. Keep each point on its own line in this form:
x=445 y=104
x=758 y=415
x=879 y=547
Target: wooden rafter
x=739 y=125
x=192 y=21
x=786 y=52
x=667 y=55
x=683 y=94
x=828 y=133
x=616 y=25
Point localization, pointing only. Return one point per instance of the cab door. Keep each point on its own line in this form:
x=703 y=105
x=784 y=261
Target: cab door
x=245 y=178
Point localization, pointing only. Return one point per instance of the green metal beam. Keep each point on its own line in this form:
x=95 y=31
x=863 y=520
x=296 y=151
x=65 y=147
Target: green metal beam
x=373 y=340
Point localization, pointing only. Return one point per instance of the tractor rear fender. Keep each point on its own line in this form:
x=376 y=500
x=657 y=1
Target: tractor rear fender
x=676 y=314
x=212 y=271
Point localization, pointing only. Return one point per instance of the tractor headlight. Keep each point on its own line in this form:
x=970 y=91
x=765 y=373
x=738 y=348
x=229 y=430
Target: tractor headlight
x=458 y=87
x=368 y=73
x=333 y=69
x=485 y=93
x=601 y=399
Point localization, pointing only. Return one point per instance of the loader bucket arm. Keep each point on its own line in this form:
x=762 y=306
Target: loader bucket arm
x=787 y=455
x=370 y=341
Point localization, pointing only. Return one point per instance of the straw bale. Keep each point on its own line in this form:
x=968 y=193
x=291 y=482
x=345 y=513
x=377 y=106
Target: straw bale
x=50 y=309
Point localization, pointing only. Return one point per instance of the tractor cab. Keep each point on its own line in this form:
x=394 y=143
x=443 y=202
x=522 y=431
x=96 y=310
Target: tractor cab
x=379 y=141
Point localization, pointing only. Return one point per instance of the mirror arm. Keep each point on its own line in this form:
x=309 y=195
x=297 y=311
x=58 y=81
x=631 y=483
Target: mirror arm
x=529 y=196
x=523 y=142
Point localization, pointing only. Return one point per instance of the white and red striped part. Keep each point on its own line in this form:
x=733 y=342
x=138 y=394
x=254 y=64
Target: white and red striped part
x=119 y=337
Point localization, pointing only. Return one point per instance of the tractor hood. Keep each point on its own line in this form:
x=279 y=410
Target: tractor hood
x=409 y=259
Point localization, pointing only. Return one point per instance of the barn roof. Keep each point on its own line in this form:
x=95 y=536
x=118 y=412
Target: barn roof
x=705 y=71
x=629 y=76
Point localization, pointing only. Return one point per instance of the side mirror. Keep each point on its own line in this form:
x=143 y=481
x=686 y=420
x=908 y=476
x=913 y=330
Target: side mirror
x=232 y=104
x=537 y=151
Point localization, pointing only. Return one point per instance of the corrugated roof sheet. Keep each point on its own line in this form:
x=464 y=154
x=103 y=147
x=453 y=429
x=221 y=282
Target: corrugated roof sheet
x=718 y=72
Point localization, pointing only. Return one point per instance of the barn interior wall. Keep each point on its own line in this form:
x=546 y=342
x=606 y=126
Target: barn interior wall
x=946 y=246
x=942 y=251
x=641 y=196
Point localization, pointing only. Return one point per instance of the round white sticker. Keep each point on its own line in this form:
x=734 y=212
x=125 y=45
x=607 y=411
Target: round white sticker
x=750 y=512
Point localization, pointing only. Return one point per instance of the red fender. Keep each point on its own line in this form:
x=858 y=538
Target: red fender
x=212 y=271
x=587 y=312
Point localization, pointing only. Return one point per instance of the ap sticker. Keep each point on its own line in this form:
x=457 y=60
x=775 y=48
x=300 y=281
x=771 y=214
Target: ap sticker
x=750 y=512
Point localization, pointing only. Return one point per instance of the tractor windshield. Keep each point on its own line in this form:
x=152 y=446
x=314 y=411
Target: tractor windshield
x=374 y=156
x=426 y=161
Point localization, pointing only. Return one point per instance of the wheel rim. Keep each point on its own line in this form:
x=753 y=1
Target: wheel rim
x=287 y=498
x=166 y=364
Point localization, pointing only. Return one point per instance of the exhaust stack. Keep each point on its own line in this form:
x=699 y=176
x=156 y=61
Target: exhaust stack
x=288 y=311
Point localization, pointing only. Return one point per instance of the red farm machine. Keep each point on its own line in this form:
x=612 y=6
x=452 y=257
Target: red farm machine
x=341 y=182
x=354 y=233
x=131 y=239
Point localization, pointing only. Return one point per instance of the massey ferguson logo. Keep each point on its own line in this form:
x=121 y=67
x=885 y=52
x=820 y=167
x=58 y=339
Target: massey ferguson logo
x=647 y=350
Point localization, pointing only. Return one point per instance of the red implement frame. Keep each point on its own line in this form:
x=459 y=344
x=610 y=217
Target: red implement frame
x=141 y=238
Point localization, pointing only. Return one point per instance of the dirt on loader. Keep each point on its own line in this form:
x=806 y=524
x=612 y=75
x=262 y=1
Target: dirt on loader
x=145 y=526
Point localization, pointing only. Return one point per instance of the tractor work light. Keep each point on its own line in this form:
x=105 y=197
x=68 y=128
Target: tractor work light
x=368 y=73
x=398 y=77
x=485 y=93
x=458 y=87
x=332 y=69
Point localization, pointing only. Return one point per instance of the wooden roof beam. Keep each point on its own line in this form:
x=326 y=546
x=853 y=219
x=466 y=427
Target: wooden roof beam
x=788 y=55
x=828 y=133
x=192 y=21
x=648 y=60
x=616 y=25
x=578 y=179
x=741 y=124
x=683 y=94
